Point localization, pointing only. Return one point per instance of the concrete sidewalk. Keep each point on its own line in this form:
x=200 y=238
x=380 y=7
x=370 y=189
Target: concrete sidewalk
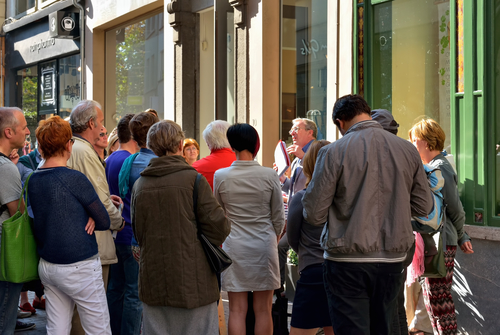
x=40 y=318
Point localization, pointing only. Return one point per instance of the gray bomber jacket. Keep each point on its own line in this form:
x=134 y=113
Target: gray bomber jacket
x=367 y=185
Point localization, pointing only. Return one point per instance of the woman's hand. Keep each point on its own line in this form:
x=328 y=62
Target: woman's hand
x=89 y=228
x=467 y=248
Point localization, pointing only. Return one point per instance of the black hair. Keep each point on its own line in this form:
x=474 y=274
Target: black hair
x=242 y=136
x=122 y=129
x=348 y=107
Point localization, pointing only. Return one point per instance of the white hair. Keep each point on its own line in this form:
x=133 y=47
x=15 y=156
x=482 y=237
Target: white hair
x=215 y=135
x=81 y=114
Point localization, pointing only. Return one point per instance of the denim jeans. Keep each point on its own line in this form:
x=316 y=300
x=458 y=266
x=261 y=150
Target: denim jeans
x=362 y=296
x=9 y=299
x=125 y=308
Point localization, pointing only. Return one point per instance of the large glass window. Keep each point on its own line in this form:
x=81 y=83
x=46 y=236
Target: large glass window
x=303 y=64
x=411 y=62
x=69 y=84
x=134 y=64
x=496 y=116
x=26 y=95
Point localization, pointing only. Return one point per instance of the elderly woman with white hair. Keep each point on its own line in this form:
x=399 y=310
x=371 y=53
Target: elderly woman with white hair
x=176 y=284
x=221 y=154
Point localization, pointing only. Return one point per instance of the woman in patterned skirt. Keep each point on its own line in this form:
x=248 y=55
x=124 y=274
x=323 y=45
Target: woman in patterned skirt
x=428 y=137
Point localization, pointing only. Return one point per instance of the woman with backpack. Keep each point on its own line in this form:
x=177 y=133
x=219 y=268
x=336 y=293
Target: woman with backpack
x=428 y=137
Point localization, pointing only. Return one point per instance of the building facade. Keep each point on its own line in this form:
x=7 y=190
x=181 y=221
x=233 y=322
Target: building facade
x=267 y=62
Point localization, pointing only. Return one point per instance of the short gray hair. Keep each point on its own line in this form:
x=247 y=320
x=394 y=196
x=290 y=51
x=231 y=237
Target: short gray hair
x=81 y=114
x=309 y=124
x=165 y=137
x=7 y=118
x=215 y=135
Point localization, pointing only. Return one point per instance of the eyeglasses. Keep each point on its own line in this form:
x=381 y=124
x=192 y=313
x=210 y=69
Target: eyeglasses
x=72 y=140
x=103 y=134
x=295 y=130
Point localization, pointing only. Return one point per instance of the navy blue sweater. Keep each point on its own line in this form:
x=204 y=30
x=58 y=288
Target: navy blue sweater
x=62 y=201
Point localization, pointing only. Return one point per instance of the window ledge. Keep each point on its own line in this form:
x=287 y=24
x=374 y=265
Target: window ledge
x=483 y=233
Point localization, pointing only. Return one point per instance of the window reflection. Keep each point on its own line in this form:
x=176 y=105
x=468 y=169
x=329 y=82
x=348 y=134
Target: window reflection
x=304 y=60
x=496 y=59
x=411 y=62
x=137 y=79
x=69 y=84
x=26 y=91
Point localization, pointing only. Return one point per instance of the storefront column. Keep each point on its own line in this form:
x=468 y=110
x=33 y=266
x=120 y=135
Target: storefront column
x=183 y=22
x=241 y=60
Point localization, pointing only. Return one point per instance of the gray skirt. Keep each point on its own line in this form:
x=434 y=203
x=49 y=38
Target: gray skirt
x=166 y=320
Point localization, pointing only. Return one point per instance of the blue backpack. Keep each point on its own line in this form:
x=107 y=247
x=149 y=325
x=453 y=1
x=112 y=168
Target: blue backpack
x=434 y=221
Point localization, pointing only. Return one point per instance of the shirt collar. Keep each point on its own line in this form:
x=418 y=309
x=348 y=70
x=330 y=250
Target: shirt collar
x=307 y=146
x=147 y=151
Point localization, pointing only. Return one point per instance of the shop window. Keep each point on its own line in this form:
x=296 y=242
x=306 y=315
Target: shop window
x=26 y=92
x=132 y=70
x=69 y=84
x=409 y=61
x=303 y=64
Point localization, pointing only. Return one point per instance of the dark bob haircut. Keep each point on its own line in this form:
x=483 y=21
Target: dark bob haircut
x=123 y=130
x=348 y=107
x=242 y=136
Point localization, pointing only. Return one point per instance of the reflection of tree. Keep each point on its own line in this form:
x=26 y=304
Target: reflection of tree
x=29 y=103
x=130 y=56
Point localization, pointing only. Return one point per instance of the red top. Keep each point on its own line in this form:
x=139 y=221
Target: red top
x=218 y=159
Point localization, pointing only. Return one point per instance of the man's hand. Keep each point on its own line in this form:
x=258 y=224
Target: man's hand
x=14 y=156
x=282 y=177
x=89 y=228
x=116 y=200
x=296 y=151
x=467 y=248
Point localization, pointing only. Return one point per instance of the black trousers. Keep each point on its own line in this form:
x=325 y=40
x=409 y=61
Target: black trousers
x=362 y=296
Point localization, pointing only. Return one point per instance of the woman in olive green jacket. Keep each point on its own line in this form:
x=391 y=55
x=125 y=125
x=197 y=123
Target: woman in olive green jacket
x=176 y=284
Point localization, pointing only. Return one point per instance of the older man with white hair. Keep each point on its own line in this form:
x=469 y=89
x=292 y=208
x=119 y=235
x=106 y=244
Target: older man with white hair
x=86 y=122
x=221 y=154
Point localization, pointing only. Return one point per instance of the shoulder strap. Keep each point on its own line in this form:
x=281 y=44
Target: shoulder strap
x=33 y=166
x=195 y=200
x=24 y=194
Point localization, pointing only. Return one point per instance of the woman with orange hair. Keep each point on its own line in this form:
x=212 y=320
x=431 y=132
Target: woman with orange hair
x=66 y=211
x=190 y=150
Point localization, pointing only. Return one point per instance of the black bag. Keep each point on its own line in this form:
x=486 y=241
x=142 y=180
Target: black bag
x=217 y=258
x=280 y=315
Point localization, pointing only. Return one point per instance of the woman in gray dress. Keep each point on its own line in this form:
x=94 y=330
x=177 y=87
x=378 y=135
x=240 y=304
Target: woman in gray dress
x=251 y=197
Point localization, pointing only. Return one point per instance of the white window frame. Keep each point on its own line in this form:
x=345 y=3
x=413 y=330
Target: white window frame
x=45 y=4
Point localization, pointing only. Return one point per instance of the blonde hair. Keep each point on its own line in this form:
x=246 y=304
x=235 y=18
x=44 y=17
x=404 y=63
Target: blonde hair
x=309 y=160
x=111 y=141
x=430 y=131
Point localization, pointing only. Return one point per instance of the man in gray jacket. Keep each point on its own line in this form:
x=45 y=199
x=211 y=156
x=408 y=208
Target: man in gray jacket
x=366 y=185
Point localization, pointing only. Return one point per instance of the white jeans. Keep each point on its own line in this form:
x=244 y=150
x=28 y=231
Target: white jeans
x=78 y=283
